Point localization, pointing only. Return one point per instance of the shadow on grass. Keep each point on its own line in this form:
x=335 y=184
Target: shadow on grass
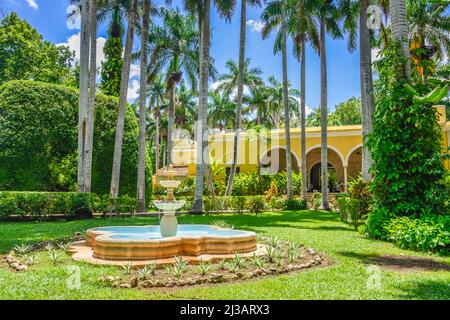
x=425 y=289
x=398 y=263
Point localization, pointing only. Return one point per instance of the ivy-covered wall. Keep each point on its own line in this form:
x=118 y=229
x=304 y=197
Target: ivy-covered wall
x=38 y=139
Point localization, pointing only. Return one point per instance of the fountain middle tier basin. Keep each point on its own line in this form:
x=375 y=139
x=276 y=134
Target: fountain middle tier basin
x=145 y=242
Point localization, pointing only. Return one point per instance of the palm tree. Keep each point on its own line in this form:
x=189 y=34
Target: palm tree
x=203 y=9
x=240 y=89
x=175 y=48
x=256 y=102
x=156 y=94
x=186 y=107
x=327 y=15
x=275 y=102
x=429 y=28
x=122 y=100
x=399 y=26
x=140 y=195
x=83 y=94
x=91 y=103
x=221 y=110
x=350 y=10
x=306 y=31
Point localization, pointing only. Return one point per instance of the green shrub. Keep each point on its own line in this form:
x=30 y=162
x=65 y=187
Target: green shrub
x=316 y=200
x=360 y=190
x=276 y=203
x=42 y=204
x=238 y=203
x=38 y=140
x=428 y=233
x=295 y=204
x=256 y=204
x=342 y=205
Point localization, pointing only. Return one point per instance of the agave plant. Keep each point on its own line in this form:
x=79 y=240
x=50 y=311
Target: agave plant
x=294 y=253
x=279 y=260
x=178 y=267
x=126 y=269
x=22 y=249
x=274 y=242
x=222 y=224
x=32 y=259
x=257 y=262
x=233 y=266
x=146 y=272
x=204 y=267
x=64 y=246
x=239 y=260
x=222 y=265
x=49 y=247
x=54 y=256
x=271 y=254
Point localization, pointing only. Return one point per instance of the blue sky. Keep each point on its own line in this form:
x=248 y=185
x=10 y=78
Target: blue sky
x=49 y=18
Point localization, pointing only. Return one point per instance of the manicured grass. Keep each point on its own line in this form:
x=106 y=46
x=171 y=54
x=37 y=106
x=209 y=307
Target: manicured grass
x=346 y=278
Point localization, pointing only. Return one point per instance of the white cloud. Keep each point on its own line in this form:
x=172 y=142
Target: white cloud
x=73 y=42
x=32 y=4
x=255 y=26
x=133 y=90
x=375 y=52
x=135 y=70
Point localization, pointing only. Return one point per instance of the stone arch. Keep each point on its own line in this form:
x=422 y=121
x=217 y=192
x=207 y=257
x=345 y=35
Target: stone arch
x=354 y=162
x=278 y=154
x=335 y=161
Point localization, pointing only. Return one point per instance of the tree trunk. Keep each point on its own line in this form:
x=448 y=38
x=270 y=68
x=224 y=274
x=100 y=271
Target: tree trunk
x=239 y=96
x=83 y=93
x=202 y=134
x=157 y=137
x=303 y=115
x=91 y=106
x=323 y=116
x=399 y=26
x=367 y=98
x=287 y=128
x=123 y=101
x=140 y=195
x=170 y=120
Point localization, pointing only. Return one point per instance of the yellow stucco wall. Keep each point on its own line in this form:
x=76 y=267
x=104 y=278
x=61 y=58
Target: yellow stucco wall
x=344 y=140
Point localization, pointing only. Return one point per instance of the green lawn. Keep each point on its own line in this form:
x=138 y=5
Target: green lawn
x=346 y=278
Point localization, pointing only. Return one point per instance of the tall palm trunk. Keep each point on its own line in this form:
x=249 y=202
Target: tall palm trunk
x=239 y=96
x=323 y=116
x=170 y=120
x=157 y=136
x=125 y=75
x=287 y=128
x=303 y=113
x=142 y=109
x=83 y=93
x=399 y=25
x=91 y=106
x=202 y=138
x=367 y=98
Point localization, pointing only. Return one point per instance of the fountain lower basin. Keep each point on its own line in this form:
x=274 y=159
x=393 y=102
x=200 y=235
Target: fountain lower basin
x=146 y=243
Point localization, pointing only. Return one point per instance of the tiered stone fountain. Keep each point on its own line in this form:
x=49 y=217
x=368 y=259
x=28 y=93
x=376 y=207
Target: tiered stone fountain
x=169 y=206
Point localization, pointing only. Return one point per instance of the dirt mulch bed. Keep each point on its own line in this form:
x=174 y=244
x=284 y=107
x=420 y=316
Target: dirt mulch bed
x=408 y=263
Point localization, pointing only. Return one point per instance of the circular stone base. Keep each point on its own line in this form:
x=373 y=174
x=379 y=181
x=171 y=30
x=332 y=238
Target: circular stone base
x=83 y=252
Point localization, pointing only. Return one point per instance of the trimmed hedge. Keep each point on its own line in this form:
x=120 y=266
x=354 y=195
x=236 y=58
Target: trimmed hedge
x=38 y=140
x=39 y=205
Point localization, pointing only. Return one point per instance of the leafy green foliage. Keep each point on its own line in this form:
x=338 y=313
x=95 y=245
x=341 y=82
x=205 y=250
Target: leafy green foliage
x=24 y=55
x=112 y=67
x=42 y=204
x=316 y=200
x=249 y=184
x=256 y=204
x=296 y=204
x=428 y=233
x=38 y=139
x=406 y=149
x=345 y=113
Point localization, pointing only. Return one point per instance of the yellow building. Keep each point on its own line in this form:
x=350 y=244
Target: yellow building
x=267 y=152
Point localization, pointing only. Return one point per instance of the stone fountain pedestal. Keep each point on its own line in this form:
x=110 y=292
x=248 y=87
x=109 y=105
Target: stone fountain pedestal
x=169 y=206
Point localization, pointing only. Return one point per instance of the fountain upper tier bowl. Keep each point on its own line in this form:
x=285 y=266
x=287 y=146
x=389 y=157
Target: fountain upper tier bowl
x=168 y=205
x=145 y=242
